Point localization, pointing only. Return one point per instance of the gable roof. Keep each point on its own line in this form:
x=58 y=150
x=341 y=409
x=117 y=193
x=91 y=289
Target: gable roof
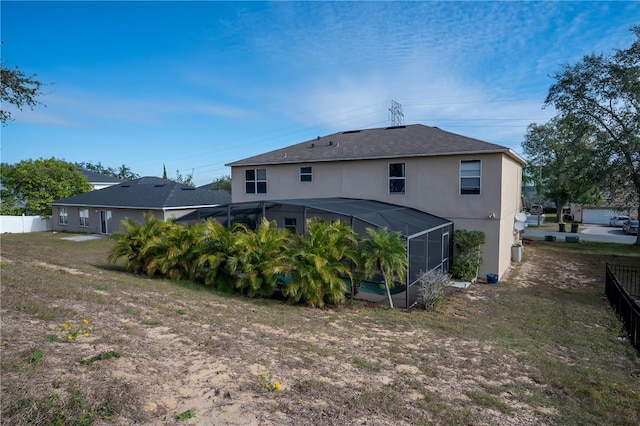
x=148 y=193
x=95 y=177
x=416 y=140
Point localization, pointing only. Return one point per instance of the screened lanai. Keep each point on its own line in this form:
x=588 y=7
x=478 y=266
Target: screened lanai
x=428 y=237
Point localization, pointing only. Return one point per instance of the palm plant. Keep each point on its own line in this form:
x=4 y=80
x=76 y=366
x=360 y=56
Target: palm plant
x=384 y=251
x=174 y=255
x=258 y=258
x=133 y=237
x=318 y=263
x=213 y=251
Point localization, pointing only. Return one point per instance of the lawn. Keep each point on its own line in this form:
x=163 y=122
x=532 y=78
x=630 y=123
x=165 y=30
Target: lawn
x=540 y=347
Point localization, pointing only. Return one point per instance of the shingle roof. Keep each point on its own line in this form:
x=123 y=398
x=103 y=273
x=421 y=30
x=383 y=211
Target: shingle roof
x=416 y=140
x=405 y=220
x=95 y=177
x=148 y=193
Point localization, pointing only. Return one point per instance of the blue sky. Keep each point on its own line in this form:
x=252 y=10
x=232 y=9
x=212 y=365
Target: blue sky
x=195 y=85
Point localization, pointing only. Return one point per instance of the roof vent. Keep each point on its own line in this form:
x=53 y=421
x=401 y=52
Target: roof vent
x=159 y=185
x=318 y=138
x=330 y=143
x=396 y=127
x=351 y=131
x=124 y=186
x=313 y=145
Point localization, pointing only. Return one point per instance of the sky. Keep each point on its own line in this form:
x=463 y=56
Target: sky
x=196 y=85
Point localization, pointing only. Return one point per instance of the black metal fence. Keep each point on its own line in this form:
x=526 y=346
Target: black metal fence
x=622 y=287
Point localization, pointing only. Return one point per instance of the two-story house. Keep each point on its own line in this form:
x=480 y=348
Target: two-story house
x=474 y=184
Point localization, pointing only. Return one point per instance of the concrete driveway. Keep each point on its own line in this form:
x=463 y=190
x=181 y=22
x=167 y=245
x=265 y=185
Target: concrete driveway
x=602 y=233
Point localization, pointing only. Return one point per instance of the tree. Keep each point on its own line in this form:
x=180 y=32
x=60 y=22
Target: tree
x=32 y=185
x=164 y=171
x=123 y=172
x=603 y=93
x=384 y=251
x=17 y=89
x=223 y=183
x=562 y=150
x=186 y=179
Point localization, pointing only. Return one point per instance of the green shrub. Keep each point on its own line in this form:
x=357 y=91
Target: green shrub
x=469 y=256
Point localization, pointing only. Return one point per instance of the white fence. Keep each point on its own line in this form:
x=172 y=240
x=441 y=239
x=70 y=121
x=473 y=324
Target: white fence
x=22 y=224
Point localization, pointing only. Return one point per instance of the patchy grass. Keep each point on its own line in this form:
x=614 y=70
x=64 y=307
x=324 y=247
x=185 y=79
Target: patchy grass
x=541 y=347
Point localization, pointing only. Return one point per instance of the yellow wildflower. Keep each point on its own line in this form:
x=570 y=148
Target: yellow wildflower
x=277 y=386
x=69 y=337
x=86 y=321
x=65 y=325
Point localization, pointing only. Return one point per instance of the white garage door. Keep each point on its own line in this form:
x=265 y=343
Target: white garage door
x=598 y=216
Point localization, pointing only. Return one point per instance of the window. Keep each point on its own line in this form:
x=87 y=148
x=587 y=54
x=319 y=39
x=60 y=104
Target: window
x=256 y=181
x=290 y=223
x=63 y=216
x=306 y=174
x=84 y=217
x=470 y=173
x=397 y=178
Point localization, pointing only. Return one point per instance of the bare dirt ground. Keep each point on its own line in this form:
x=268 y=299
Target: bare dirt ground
x=184 y=347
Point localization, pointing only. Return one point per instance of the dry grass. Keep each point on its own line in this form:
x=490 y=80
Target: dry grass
x=541 y=347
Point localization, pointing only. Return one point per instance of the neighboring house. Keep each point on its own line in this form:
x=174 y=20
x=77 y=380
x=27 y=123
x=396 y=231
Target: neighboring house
x=100 y=181
x=101 y=211
x=475 y=184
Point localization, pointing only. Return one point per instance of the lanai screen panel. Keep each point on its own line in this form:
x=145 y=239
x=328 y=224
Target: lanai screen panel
x=428 y=237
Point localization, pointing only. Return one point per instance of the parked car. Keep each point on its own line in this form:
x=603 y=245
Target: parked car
x=631 y=227
x=618 y=221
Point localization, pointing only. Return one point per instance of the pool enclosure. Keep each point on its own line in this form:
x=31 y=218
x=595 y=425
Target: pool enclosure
x=428 y=237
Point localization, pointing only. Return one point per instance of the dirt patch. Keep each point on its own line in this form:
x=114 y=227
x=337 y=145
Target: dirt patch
x=188 y=349
x=68 y=270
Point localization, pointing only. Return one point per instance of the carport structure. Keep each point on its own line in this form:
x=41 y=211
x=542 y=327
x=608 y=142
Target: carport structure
x=429 y=238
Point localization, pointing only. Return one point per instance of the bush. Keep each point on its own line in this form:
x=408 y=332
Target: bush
x=469 y=257
x=432 y=290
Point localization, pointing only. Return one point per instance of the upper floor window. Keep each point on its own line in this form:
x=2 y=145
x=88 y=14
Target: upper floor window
x=306 y=174
x=63 y=216
x=255 y=181
x=397 y=178
x=470 y=177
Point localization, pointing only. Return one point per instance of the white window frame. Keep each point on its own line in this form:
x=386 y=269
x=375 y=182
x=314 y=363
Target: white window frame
x=306 y=174
x=259 y=180
x=84 y=218
x=394 y=179
x=464 y=175
x=63 y=216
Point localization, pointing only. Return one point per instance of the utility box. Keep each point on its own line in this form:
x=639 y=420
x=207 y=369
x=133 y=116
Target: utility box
x=516 y=253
